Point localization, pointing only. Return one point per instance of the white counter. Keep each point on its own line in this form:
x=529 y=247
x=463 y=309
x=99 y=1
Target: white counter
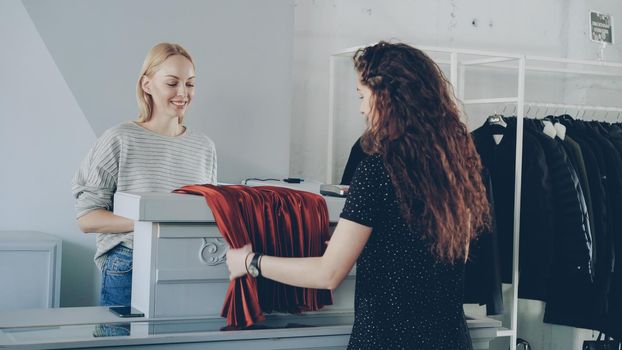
x=75 y=328
x=179 y=255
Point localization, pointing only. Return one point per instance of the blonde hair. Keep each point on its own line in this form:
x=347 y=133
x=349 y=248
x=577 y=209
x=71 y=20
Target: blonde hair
x=154 y=59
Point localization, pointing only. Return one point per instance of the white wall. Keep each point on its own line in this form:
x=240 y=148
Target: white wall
x=556 y=28
x=69 y=69
x=43 y=137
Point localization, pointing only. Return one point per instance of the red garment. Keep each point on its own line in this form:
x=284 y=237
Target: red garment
x=278 y=222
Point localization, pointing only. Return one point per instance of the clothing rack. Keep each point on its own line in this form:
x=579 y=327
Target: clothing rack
x=578 y=107
x=555 y=107
x=461 y=59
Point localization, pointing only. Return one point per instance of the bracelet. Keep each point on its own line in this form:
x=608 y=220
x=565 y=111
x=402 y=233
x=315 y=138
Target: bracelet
x=245 y=261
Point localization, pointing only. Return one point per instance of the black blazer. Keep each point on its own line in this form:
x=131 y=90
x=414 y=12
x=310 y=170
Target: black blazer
x=570 y=279
x=536 y=205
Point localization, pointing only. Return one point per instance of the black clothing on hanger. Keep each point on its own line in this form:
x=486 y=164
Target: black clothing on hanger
x=482 y=280
x=570 y=278
x=536 y=208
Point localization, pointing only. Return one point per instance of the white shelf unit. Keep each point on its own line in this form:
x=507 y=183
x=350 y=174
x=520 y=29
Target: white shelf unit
x=461 y=59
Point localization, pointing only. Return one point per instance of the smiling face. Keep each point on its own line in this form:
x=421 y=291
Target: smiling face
x=171 y=87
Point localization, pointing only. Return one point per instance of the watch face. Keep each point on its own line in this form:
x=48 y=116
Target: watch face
x=252 y=270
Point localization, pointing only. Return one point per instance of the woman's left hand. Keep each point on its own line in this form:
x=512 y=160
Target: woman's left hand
x=236 y=261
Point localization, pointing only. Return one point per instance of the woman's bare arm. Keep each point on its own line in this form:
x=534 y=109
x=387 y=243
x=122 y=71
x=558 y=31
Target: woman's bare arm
x=104 y=221
x=325 y=272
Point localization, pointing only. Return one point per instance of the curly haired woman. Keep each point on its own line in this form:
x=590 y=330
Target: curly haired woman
x=413 y=207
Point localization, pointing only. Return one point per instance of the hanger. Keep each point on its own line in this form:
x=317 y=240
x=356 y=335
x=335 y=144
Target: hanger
x=559 y=128
x=496 y=119
x=504 y=107
x=548 y=129
x=565 y=120
x=498 y=123
x=586 y=115
x=552 y=124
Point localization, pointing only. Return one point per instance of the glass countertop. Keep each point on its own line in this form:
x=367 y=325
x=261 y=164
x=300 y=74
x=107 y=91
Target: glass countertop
x=211 y=329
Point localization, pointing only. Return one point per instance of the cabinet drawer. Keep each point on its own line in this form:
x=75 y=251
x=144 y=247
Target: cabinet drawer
x=190 y=299
x=188 y=230
x=191 y=259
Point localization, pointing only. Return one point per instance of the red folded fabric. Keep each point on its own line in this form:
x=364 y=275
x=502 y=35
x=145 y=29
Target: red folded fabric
x=276 y=221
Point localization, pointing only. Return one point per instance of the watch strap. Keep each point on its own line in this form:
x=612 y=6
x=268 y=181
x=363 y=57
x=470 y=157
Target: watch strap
x=255 y=264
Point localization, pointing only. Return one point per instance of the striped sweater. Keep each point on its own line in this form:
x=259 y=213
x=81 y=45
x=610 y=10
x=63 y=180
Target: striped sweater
x=130 y=158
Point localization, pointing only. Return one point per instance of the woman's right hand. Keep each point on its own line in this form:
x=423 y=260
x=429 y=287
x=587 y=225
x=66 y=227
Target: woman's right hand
x=236 y=261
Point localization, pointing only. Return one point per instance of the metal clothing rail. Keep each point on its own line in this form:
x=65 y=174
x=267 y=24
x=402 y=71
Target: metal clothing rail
x=519 y=100
x=577 y=107
x=575 y=71
x=459 y=60
x=580 y=109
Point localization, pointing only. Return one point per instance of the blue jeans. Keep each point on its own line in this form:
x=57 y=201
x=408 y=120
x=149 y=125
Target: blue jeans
x=117 y=277
x=116 y=288
x=111 y=330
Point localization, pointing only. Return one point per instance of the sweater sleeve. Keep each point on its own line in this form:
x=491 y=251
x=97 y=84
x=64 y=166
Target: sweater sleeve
x=95 y=181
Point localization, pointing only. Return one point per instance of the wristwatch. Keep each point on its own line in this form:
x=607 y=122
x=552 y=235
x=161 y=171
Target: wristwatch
x=253 y=268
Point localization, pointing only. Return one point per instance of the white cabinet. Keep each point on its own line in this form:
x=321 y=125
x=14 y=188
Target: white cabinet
x=29 y=270
x=179 y=257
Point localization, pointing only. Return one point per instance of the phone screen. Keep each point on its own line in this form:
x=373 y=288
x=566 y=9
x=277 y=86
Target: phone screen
x=126 y=311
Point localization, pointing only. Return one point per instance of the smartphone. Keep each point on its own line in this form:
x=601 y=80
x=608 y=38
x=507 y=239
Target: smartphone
x=126 y=311
x=334 y=190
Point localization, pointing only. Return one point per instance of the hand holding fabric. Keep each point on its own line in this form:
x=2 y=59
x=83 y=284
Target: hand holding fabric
x=236 y=261
x=274 y=221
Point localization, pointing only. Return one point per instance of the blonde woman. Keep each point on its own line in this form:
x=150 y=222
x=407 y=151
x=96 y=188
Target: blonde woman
x=156 y=153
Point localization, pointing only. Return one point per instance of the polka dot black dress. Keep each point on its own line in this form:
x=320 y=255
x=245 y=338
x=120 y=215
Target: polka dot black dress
x=404 y=298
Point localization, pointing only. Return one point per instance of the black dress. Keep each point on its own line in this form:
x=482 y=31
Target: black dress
x=404 y=298
x=356 y=156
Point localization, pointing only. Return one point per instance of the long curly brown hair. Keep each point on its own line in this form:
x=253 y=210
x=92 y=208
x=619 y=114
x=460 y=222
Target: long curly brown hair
x=427 y=150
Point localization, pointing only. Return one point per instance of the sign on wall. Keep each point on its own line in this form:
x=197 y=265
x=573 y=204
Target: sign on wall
x=601 y=27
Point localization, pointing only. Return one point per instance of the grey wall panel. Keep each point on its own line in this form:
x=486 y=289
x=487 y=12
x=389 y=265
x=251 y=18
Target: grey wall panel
x=43 y=137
